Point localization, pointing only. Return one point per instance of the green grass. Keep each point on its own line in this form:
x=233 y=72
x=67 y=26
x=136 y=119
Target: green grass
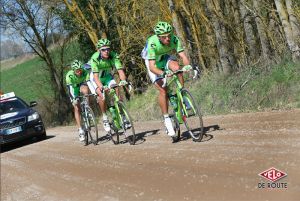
x=252 y=89
x=145 y=106
x=28 y=80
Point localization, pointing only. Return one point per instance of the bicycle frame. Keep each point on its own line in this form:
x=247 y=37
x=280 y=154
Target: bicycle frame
x=112 y=93
x=83 y=105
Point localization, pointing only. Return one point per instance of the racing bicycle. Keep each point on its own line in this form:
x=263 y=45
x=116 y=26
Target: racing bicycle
x=88 y=120
x=185 y=109
x=121 y=123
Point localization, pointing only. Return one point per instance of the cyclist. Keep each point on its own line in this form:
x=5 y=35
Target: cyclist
x=76 y=80
x=159 y=62
x=102 y=62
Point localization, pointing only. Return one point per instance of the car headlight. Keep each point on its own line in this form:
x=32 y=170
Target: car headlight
x=34 y=116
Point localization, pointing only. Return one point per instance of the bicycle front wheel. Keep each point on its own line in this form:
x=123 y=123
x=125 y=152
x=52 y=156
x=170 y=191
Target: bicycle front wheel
x=176 y=127
x=127 y=124
x=92 y=128
x=192 y=116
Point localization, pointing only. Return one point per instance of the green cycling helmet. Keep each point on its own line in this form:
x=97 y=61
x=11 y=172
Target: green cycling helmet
x=162 y=28
x=76 y=65
x=103 y=42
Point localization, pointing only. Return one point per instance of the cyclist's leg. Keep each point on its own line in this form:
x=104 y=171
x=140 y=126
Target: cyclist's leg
x=158 y=82
x=100 y=96
x=84 y=89
x=173 y=65
x=106 y=81
x=162 y=97
x=74 y=93
x=91 y=86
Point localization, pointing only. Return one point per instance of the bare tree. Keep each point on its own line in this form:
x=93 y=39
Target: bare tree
x=11 y=48
x=32 y=21
x=81 y=19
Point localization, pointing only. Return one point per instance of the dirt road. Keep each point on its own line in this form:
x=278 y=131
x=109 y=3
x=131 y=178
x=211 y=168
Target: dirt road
x=225 y=166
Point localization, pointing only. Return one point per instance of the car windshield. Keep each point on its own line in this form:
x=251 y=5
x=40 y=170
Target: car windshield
x=11 y=106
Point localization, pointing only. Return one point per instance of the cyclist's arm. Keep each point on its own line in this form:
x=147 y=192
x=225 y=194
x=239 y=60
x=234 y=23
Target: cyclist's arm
x=70 y=86
x=97 y=80
x=71 y=91
x=154 y=69
x=184 y=58
x=122 y=75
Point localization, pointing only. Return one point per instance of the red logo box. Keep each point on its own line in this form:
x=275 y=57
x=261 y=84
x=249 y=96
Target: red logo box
x=272 y=174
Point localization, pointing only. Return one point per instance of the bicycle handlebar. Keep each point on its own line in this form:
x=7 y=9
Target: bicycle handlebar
x=170 y=75
x=113 y=86
x=86 y=95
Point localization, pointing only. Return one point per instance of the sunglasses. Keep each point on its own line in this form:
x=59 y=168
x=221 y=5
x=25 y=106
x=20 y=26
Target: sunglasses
x=105 y=50
x=165 y=36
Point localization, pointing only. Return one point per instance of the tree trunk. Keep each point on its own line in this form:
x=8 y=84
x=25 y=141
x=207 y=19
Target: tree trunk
x=235 y=31
x=264 y=41
x=293 y=47
x=276 y=33
x=195 y=32
x=295 y=24
x=178 y=25
x=249 y=30
x=226 y=58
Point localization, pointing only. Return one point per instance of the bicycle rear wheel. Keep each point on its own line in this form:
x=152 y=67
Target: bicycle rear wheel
x=84 y=125
x=92 y=128
x=127 y=124
x=191 y=116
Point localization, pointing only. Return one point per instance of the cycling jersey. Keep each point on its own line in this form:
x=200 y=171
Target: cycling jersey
x=105 y=66
x=155 y=50
x=74 y=82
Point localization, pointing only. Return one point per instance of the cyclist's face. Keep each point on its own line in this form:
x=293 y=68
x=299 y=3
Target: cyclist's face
x=78 y=72
x=104 y=51
x=165 y=39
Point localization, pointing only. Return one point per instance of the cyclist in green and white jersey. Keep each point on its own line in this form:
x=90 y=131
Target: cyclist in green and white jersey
x=76 y=80
x=102 y=62
x=159 y=61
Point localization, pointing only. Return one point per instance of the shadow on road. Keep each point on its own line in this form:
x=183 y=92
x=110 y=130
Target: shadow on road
x=104 y=139
x=140 y=137
x=16 y=145
x=206 y=137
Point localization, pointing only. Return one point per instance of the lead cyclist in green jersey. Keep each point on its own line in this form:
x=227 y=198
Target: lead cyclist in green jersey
x=76 y=80
x=159 y=61
x=102 y=62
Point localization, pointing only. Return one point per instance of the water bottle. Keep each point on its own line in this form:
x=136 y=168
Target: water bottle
x=113 y=112
x=173 y=101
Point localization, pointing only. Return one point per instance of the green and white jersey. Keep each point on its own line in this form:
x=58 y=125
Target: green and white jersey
x=105 y=66
x=155 y=50
x=75 y=81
